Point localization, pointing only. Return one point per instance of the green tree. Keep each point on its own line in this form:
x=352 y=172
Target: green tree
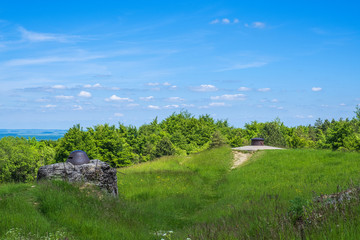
x=76 y=139
x=19 y=160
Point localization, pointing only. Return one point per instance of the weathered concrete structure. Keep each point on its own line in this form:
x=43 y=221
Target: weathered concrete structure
x=94 y=172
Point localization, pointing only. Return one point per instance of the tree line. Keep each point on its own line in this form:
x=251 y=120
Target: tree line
x=179 y=134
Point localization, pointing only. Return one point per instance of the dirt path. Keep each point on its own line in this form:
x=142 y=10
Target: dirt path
x=240 y=158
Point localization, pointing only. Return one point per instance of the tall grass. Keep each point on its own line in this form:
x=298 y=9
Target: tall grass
x=196 y=197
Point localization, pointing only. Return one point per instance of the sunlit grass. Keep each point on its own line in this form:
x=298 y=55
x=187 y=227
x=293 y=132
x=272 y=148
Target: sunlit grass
x=195 y=196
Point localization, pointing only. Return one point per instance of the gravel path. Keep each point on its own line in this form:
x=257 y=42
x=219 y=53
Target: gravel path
x=240 y=158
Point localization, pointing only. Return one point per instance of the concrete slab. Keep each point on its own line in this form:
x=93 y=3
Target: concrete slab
x=255 y=148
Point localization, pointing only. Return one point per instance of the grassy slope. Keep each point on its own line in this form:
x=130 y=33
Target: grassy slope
x=197 y=196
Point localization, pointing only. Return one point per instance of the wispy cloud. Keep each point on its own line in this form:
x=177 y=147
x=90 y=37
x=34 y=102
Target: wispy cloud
x=149 y=98
x=303 y=117
x=244 y=89
x=63 y=97
x=258 y=25
x=132 y=105
x=153 y=84
x=84 y=94
x=264 y=89
x=175 y=99
x=217 y=104
x=316 y=89
x=118 y=114
x=153 y=107
x=188 y=105
x=49 y=106
x=243 y=66
x=204 y=88
x=96 y=85
x=43 y=37
x=77 y=108
x=171 y=106
x=215 y=21
x=229 y=97
x=119 y=99
x=225 y=21
x=58 y=87
x=48 y=60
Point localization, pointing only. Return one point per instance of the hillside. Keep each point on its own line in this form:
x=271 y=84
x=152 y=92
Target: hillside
x=196 y=196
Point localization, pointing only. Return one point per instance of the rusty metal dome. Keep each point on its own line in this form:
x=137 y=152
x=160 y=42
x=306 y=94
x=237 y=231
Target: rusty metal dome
x=78 y=157
x=257 y=142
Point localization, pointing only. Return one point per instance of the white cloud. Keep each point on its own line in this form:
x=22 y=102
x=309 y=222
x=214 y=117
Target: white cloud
x=236 y=20
x=77 y=108
x=215 y=21
x=225 y=21
x=58 y=87
x=274 y=100
x=171 y=106
x=42 y=100
x=217 y=104
x=63 y=97
x=133 y=105
x=229 y=97
x=342 y=104
x=153 y=107
x=258 y=25
x=84 y=94
x=147 y=98
x=205 y=88
x=166 y=84
x=42 y=37
x=243 y=66
x=204 y=107
x=264 y=89
x=316 y=89
x=302 y=116
x=118 y=114
x=173 y=87
x=97 y=85
x=153 y=84
x=117 y=98
x=175 y=99
x=49 y=106
x=244 y=89
x=47 y=60
x=188 y=105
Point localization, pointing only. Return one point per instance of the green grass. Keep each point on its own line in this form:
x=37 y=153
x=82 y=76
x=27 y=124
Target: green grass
x=195 y=196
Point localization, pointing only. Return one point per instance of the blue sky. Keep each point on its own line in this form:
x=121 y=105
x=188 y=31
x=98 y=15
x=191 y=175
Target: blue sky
x=95 y=62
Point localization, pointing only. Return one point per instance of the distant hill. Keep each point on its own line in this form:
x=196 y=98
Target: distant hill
x=39 y=134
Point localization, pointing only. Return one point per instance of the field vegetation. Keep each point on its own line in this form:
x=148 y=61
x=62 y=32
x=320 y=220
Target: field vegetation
x=196 y=196
x=176 y=182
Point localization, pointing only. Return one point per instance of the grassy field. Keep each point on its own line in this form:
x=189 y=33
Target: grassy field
x=195 y=197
